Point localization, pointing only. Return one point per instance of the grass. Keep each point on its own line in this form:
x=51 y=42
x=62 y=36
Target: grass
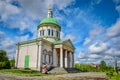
x=115 y=76
x=22 y=72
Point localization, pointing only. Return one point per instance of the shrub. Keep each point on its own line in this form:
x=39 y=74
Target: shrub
x=109 y=74
x=5 y=65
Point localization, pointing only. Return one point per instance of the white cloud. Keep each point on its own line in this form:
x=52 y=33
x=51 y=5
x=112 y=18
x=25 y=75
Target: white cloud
x=118 y=9
x=96 y=31
x=22 y=25
x=62 y=35
x=22 y=38
x=81 y=55
x=93 y=34
x=9 y=44
x=2 y=33
x=107 y=57
x=113 y=52
x=98 y=47
x=94 y=56
x=38 y=8
x=70 y=36
x=7 y=9
x=73 y=38
x=87 y=41
x=61 y=3
x=114 y=30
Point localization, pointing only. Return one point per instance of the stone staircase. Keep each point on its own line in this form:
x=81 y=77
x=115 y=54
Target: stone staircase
x=64 y=70
x=72 y=70
x=58 y=70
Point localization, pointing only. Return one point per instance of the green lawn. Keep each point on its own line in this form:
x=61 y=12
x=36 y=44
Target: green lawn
x=22 y=72
x=115 y=77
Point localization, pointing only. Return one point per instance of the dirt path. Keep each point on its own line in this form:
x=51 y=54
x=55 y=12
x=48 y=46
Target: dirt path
x=71 y=76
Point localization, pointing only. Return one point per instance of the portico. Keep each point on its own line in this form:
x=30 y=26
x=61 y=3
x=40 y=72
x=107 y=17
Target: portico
x=64 y=54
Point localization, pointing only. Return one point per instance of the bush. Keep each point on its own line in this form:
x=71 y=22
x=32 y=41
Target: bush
x=85 y=67
x=5 y=65
x=109 y=74
x=12 y=63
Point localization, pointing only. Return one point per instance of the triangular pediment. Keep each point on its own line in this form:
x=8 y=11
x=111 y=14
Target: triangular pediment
x=69 y=43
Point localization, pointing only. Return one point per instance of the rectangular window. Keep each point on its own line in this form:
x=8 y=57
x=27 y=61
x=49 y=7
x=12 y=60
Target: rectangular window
x=49 y=32
x=26 y=61
x=57 y=34
x=42 y=32
x=52 y=32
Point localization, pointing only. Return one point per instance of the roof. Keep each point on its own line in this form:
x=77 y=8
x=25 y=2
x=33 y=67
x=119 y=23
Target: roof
x=67 y=42
x=49 y=20
x=58 y=41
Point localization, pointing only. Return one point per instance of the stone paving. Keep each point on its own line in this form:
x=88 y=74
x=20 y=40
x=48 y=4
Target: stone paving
x=69 y=76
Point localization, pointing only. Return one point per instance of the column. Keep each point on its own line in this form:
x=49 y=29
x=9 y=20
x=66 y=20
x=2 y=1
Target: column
x=73 y=59
x=55 y=57
x=61 y=56
x=66 y=62
x=70 y=59
x=40 y=56
x=37 y=55
x=17 y=56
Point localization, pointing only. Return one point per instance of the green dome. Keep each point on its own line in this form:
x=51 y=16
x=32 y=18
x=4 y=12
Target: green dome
x=49 y=20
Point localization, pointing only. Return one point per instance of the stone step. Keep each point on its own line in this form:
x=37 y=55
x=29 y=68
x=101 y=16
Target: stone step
x=72 y=70
x=58 y=70
x=64 y=70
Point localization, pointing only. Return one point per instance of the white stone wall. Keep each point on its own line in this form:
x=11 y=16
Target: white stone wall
x=35 y=50
x=27 y=49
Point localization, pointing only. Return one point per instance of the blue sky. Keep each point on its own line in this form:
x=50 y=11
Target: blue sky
x=92 y=25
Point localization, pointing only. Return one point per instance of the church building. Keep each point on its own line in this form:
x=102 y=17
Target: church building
x=48 y=48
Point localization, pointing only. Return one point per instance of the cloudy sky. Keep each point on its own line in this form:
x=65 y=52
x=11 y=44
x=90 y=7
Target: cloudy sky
x=92 y=25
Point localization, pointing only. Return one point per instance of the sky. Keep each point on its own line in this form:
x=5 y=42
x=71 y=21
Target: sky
x=92 y=25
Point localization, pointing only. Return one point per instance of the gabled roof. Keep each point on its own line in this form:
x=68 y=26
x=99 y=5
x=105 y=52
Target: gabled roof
x=67 y=42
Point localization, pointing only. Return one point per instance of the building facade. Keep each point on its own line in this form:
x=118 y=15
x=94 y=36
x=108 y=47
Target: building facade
x=48 y=48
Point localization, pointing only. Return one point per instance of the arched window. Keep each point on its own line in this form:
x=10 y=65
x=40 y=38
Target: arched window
x=48 y=32
x=44 y=56
x=50 y=57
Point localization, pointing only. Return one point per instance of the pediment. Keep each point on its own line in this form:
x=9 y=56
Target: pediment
x=69 y=43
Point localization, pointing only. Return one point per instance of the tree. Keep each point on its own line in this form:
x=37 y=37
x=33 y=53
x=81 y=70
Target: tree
x=4 y=61
x=12 y=63
x=103 y=66
x=3 y=56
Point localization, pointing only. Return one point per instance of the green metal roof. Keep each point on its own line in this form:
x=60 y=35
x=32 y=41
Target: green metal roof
x=58 y=41
x=49 y=20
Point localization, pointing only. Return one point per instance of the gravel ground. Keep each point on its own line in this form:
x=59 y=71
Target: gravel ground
x=71 y=76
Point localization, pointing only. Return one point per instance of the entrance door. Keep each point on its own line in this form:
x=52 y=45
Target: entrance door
x=26 y=62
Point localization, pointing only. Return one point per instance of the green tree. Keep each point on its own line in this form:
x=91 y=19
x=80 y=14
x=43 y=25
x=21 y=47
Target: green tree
x=103 y=66
x=4 y=61
x=12 y=63
x=3 y=56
